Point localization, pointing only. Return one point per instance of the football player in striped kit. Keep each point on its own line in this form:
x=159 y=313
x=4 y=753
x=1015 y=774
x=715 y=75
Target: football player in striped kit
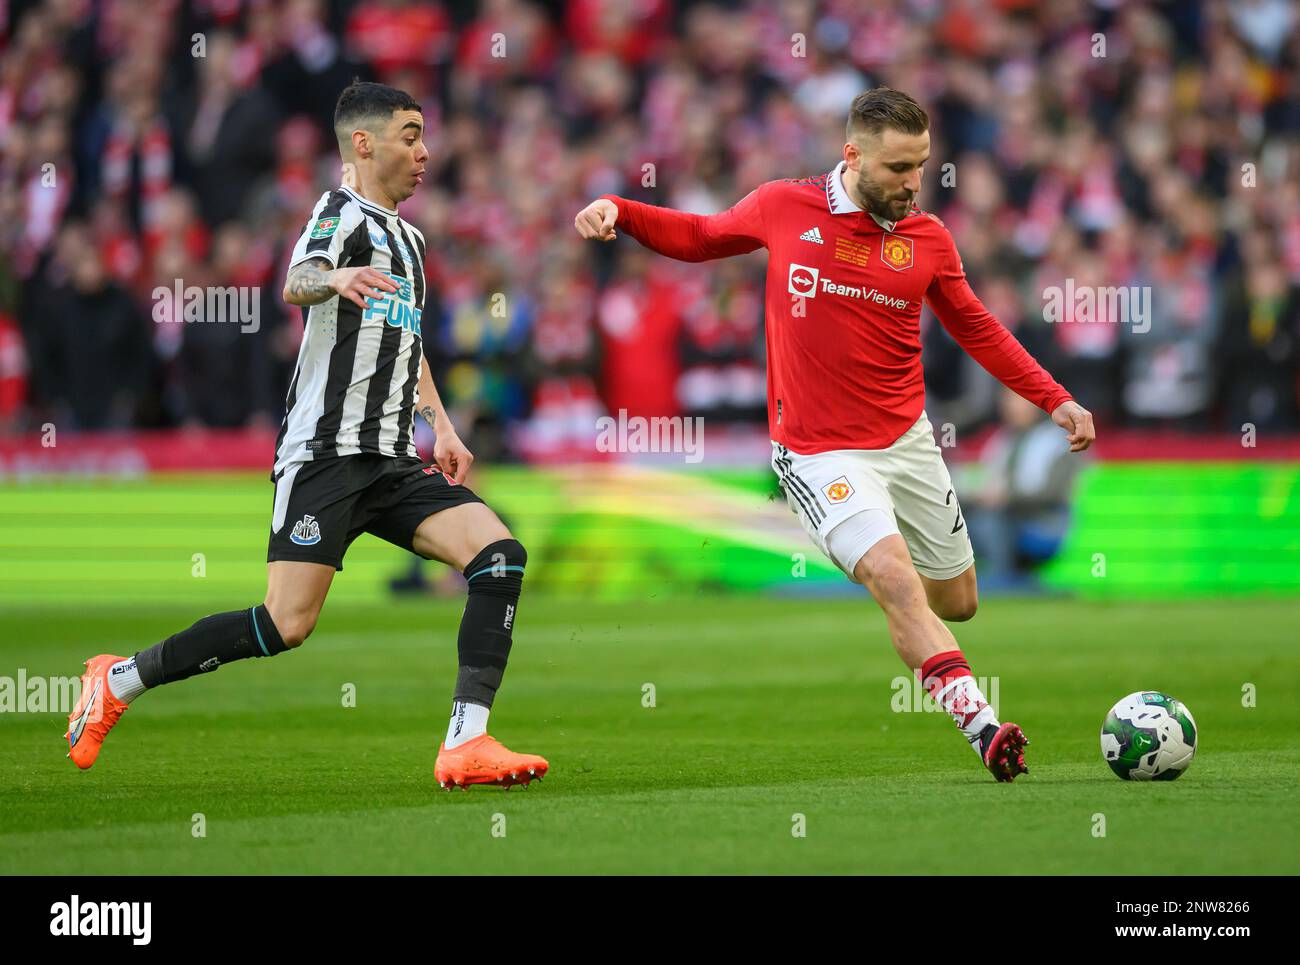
x=346 y=464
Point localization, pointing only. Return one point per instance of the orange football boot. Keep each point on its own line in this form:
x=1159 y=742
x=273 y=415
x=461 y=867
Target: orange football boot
x=96 y=712
x=482 y=760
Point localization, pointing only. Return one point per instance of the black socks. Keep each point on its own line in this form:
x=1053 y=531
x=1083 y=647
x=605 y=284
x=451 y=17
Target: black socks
x=495 y=578
x=220 y=638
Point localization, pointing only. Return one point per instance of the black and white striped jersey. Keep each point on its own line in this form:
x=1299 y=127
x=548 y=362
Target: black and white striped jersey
x=354 y=388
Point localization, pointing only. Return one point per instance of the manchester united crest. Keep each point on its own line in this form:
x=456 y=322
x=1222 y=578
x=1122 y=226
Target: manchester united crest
x=838 y=490
x=896 y=252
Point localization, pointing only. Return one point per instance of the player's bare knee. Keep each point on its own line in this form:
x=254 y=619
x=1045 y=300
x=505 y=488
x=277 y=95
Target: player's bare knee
x=891 y=580
x=299 y=629
x=960 y=611
x=895 y=591
x=490 y=535
x=293 y=626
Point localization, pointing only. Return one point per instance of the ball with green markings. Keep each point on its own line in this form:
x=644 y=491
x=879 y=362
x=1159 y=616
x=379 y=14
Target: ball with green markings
x=1148 y=736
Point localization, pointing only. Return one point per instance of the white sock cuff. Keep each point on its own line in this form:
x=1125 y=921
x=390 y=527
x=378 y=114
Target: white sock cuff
x=124 y=680
x=468 y=720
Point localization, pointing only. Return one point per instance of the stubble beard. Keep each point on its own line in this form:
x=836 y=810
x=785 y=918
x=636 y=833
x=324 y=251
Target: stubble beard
x=879 y=203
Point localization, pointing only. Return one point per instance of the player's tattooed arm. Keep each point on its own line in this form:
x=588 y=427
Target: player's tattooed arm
x=430 y=405
x=313 y=282
x=429 y=416
x=309 y=282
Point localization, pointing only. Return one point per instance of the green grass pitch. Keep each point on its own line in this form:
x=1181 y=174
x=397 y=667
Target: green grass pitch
x=764 y=710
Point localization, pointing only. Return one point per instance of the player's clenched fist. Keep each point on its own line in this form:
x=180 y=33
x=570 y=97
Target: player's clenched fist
x=359 y=284
x=597 y=220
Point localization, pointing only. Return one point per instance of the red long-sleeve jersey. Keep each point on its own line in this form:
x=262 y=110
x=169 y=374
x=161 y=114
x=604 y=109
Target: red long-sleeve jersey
x=843 y=308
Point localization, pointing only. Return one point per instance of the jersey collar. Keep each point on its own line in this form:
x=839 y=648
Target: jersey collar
x=838 y=200
x=367 y=201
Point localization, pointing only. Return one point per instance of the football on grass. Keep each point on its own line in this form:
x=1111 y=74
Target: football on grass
x=1148 y=736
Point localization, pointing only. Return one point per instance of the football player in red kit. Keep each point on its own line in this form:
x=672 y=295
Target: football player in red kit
x=850 y=260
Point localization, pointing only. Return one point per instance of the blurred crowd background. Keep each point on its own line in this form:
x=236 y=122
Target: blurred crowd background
x=1171 y=161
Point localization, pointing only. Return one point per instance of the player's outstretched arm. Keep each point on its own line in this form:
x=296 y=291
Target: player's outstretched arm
x=677 y=234
x=316 y=280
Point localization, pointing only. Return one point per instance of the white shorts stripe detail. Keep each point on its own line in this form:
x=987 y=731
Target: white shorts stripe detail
x=283 y=488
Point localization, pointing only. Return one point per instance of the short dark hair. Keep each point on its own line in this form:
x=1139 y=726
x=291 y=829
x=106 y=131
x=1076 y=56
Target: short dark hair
x=874 y=110
x=364 y=100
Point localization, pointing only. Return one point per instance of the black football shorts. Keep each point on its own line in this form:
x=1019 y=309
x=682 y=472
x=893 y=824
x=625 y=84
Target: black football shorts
x=323 y=505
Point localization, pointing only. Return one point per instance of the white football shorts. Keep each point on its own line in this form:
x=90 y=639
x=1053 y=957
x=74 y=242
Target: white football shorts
x=850 y=499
